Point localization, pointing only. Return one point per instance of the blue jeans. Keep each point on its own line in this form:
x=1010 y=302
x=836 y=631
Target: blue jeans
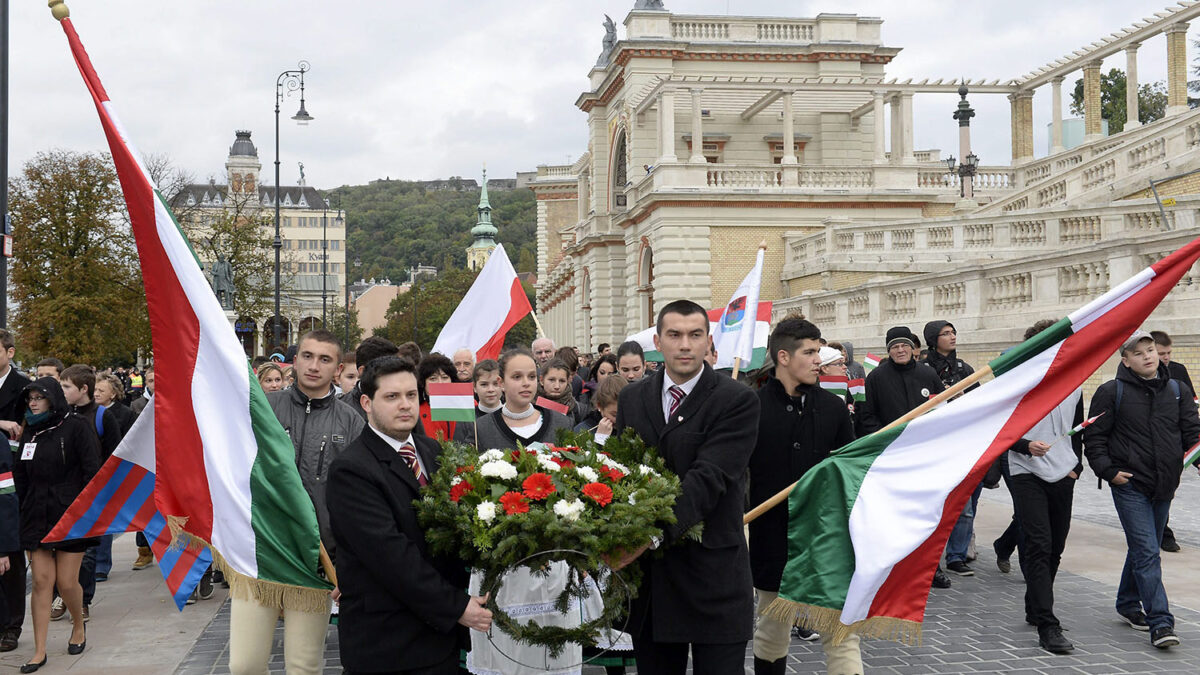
x=960 y=536
x=1141 y=585
x=104 y=555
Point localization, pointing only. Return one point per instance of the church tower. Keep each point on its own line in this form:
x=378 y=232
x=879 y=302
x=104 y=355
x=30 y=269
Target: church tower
x=484 y=232
x=243 y=166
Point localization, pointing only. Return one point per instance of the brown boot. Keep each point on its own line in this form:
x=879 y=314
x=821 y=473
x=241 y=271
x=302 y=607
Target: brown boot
x=145 y=558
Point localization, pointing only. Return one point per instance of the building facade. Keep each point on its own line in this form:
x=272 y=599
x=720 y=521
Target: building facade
x=711 y=134
x=313 y=235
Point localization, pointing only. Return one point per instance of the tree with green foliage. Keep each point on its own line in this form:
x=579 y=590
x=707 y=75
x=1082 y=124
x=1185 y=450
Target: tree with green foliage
x=430 y=305
x=337 y=325
x=396 y=225
x=1152 y=100
x=75 y=279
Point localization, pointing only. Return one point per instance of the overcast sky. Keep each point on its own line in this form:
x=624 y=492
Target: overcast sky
x=421 y=90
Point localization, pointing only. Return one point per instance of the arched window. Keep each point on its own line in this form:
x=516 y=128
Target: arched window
x=646 y=285
x=620 y=175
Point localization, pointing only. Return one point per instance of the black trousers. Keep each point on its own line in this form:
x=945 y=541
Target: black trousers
x=12 y=593
x=1044 y=511
x=671 y=658
x=449 y=666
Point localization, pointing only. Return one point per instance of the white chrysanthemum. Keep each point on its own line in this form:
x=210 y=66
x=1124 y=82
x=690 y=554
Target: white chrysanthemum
x=498 y=469
x=546 y=463
x=455 y=481
x=646 y=471
x=568 y=510
x=587 y=473
x=491 y=455
x=486 y=511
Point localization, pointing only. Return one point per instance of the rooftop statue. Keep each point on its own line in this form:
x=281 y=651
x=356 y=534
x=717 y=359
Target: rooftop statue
x=610 y=40
x=648 y=4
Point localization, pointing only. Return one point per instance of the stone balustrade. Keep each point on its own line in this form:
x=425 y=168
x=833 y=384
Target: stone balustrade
x=743 y=29
x=993 y=301
x=932 y=242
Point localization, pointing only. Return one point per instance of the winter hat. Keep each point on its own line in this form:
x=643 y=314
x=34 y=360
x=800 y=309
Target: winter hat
x=829 y=355
x=902 y=334
x=1138 y=336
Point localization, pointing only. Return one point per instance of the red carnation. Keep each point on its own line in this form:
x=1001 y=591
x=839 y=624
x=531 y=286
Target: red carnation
x=563 y=463
x=457 y=491
x=597 y=492
x=514 y=502
x=465 y=469
x=538 y=486
x=613 y=474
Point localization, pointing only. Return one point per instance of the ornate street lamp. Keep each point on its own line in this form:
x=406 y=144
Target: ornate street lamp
x=287 y=82
x=966 y=170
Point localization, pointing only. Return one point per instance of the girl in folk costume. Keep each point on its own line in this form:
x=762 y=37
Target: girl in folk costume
x=520 y=421
x=434 y=368
x=59 y=454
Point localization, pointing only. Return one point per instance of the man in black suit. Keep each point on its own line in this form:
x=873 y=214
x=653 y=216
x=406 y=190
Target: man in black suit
x=12 y=581
x=694 y=594
x=401 y=609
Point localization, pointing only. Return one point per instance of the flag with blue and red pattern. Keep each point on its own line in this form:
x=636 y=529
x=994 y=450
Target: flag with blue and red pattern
x=120 y=498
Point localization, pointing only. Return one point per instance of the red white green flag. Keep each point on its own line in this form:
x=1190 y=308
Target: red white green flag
x=6 y=483
x=868 y=525
x=226 y=472
x=1078 y=428
x=451 y=402
x=1192 y=456
x=835 y=384
x=871 y=362
x=858 y=389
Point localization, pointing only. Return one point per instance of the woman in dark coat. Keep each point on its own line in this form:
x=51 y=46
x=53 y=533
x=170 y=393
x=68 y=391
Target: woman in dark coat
x=59 y=454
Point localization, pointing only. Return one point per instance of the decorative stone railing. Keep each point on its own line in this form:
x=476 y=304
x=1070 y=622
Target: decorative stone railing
x=1069 y=177
x=556 y=171
x=743 y=29
x=993 y=301
x=937 y=241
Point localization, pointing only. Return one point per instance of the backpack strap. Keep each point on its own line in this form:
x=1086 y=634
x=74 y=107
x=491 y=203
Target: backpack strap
x=100 y=420
x=1174 y=387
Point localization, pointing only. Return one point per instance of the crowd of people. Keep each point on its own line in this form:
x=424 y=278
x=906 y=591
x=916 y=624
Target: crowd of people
x=366 y=442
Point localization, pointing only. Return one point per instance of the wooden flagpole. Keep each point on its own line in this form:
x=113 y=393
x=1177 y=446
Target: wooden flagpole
x=327 y=565
x=911 y=415
x=737 y=366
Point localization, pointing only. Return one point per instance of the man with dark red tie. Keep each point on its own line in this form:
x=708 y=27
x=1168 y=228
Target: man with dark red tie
x=401 y=609
x=697 y=596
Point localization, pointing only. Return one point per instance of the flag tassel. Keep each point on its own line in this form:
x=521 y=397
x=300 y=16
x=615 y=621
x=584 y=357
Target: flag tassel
x=242 y=587
x=911 y=415
x=828 y=621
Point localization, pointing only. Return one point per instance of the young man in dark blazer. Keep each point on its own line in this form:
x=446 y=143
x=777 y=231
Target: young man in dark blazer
x=695 y=595
x=12 y=579
x=799 y=425
x=401 y=609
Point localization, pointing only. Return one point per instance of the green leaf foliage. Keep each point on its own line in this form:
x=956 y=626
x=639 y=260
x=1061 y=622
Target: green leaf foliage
x=1152 y=100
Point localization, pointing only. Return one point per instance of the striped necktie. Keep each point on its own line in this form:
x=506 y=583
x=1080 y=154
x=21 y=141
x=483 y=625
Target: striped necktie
x=677 y=395
x=409 y=453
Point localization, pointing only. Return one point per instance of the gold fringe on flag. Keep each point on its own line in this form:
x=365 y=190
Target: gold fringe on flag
x=266 y=593
x=828 y=621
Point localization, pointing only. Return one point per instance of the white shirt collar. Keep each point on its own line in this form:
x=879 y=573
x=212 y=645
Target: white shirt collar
x=392 y=442
x=687 y=388
x=5 y=375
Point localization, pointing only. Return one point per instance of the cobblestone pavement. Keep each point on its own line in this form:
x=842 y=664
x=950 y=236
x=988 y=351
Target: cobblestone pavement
x=975 y=627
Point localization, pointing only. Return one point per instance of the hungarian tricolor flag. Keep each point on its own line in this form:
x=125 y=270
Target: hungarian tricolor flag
x=869 y=524
x=870 y=363
x=858 y=389
x=1078 y=428
x=835 y=384
x=1192 y=456
x=451 y=401
x=492 y=306
x=226 y=471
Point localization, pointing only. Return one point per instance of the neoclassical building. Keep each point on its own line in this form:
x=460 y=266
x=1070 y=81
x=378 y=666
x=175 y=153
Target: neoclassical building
x=310 y=230
x=710 y=134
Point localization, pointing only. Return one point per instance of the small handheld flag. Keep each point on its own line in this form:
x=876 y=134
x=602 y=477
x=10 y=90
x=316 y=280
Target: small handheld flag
x=6 y=483
x=1192 y=455
x=835 y=384
x=543 y=402
x=858 y=389
x=451 y=402
x=1083 y=425
x=870 y=363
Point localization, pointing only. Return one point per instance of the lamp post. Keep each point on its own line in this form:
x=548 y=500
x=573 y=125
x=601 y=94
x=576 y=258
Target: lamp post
x=966 y=170
x=287 y=82
x=357 y=264
x=324 y=257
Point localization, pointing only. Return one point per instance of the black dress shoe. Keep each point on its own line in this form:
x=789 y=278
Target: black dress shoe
x=32 y=667
x=1051 y=639
x=8 y=639
x=76 y=649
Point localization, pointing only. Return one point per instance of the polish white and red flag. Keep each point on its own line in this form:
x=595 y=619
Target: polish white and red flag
x=492 y=306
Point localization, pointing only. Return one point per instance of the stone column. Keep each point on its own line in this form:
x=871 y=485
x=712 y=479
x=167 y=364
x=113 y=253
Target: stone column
x=697 y=128
x=1131 y=87
x=1022 y=126
x=1177 y=68
x=1092 y=126
x=666 y=126
x=1056 y=141
x=906 y=128
x=897 y=143
x=789 y=129
x=880 y=141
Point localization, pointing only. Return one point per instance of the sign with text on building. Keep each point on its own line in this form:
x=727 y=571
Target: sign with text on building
x=8 y=246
